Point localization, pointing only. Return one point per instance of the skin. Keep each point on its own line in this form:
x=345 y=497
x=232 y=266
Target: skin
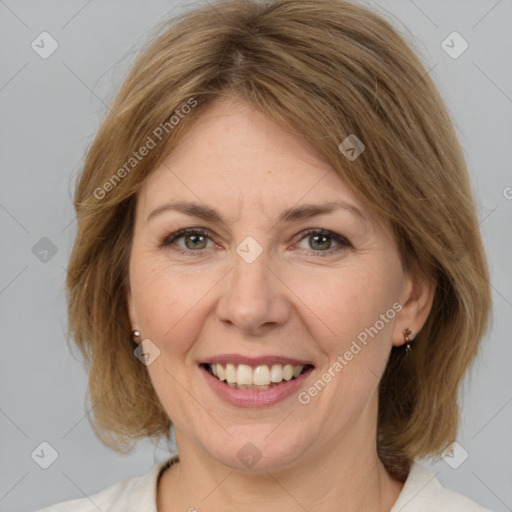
x=300 y=298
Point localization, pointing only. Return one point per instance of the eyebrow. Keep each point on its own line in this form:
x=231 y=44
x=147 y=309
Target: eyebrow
x=304 y=211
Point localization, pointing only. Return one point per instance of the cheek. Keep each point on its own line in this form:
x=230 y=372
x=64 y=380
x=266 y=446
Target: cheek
x=367 y=324
x=168 y=301
x=168 y=305
x=347 y=303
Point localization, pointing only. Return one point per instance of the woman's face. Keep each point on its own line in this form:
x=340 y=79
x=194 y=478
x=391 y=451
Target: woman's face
x=260 y=291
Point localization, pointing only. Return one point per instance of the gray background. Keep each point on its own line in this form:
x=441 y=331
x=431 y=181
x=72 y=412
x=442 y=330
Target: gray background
x=51 y=109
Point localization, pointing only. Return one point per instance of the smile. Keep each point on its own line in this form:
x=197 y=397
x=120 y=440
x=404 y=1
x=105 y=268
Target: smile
x=261 y=377
x=263 y=381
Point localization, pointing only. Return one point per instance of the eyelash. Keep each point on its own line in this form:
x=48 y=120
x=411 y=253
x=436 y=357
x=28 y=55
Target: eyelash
x=169 y=239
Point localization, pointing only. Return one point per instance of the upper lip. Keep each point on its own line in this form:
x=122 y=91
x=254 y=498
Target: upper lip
x=255 y=361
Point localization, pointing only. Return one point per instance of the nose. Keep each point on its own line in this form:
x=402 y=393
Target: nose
x=254 y=297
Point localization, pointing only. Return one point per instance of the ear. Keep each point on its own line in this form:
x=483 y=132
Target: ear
x=416 y=299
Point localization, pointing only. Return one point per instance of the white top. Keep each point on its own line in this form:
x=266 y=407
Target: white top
x=422 y=492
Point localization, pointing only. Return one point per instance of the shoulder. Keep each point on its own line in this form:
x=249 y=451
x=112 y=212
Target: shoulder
x=103 y=500
x=135 y=493
x=422 y=491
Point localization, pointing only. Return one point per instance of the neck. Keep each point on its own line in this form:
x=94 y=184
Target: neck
x=349 y=478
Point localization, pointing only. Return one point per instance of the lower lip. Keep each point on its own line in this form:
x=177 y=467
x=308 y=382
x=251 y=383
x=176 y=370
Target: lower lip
x=255 y=397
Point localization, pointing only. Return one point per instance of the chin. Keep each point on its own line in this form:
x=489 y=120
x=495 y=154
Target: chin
x=252 y=452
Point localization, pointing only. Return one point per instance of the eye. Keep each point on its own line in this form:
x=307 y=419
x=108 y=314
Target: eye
x=196 y=239
x=321 y=240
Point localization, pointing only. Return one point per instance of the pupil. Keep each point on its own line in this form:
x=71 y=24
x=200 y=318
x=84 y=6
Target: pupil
x=320 y=236
x=194 y=237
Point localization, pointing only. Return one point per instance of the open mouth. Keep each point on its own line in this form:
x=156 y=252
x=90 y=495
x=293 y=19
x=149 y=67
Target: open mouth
x=261 y=377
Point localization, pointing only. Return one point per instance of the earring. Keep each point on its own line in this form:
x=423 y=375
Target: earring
x=135 y=335
x=408 y=337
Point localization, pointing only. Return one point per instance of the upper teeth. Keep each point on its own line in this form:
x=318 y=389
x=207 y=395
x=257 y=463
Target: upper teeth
x=260 y=375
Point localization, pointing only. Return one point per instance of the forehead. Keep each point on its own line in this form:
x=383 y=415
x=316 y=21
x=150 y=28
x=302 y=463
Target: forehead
x=237 y=158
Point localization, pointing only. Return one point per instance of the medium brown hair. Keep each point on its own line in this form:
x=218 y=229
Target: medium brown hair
x=325 y=69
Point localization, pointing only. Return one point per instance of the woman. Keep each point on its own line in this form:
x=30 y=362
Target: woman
x=278 y=252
